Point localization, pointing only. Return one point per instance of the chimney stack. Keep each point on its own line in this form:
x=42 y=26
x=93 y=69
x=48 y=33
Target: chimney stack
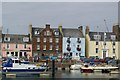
x=87 y=30
x=48 y=26
x=80 y=29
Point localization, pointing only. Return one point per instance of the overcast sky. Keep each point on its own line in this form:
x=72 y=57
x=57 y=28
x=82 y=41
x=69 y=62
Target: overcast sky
x=16 y=16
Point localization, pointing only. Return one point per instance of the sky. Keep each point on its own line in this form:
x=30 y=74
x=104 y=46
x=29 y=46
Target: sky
x=16 y=16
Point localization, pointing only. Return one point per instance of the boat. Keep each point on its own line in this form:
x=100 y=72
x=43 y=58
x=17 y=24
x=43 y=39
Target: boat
x=86 y=69
x=15 y=65
x=103 y=69
x=75 y=66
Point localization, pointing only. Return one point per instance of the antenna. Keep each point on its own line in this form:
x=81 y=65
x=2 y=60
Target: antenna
x=108 y=31
x=106 y=25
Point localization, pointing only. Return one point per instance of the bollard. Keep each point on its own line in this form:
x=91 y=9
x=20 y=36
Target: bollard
x=53 y=68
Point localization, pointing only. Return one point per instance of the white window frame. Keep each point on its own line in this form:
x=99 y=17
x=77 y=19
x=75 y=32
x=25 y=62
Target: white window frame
x=51 y=47
x=38 y=39
x=50 y=40
x=57 y=47
x=7 y=38
x=57 y=40
x=44 y=39
x=44 y=47
x=38 y=47
x=36 y=32
x=48 y=33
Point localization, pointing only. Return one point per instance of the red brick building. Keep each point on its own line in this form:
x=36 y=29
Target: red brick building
x=46 y=41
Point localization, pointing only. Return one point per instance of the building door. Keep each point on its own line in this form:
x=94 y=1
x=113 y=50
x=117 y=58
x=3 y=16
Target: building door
x=105 y=53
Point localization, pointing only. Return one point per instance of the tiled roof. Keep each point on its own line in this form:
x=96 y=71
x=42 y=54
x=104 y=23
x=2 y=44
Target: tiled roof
x=70 y=32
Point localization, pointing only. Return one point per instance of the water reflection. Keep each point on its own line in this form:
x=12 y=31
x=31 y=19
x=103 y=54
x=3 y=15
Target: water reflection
x=71 y=75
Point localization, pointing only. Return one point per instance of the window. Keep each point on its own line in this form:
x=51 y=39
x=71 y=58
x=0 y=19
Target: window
x=50 y=47
x=20 y=54
x=7 y=53
x=97 y=43
x=56 y=33
x=68 y=40
x=57 y=47
x=38 y=47
x=113 y=50
x=44 y=47
x=16 y=53
x=76 y=54
x=104 y=43
x=16 y=45
x=50 y=39
x=44 y=33
x=6 y=38
x=96 y=50
x=97 y=37
x=114 y=43
x=57 y=40
x=78 y=40
x=44 y=40
x=113 y=37
x=25 y=54
x=12 y=53
x=37 y=32
x=48 y=33
x=38 y=39
x=7 y=46
x=25 y=46
x=25 y=39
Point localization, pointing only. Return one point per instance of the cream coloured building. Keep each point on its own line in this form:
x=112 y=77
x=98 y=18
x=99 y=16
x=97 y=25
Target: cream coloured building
x=102 y=44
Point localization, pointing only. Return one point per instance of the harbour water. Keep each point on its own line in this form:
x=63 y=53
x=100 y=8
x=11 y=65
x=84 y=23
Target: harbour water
x=71 y=75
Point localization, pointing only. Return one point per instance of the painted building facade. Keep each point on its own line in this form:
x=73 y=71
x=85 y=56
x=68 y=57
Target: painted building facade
x=46 y=42
x=73 y=43
x=16 y=45
x=101 y=44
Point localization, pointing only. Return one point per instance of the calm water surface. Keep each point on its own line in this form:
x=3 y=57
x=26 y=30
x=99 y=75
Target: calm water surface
x=69 y=75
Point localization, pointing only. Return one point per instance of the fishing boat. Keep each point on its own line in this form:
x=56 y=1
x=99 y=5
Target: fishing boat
x=15 y=65
x=91 y=69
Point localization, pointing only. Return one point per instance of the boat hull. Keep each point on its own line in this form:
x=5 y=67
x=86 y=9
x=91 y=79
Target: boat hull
x=23 y=70
x=87 y=71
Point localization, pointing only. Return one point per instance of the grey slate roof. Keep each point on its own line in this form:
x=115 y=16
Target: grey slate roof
x=70 y=32
x=15 y=38
x=108 y=35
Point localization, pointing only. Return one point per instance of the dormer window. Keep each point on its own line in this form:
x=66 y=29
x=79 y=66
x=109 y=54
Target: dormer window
x=26 y=39
x=56 y=33
x=113 y=37
x=6 y=38
x=97 y=37
x=37 y=32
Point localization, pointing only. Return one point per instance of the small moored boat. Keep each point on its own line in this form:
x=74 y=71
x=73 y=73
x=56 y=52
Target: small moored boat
x=15 y=65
